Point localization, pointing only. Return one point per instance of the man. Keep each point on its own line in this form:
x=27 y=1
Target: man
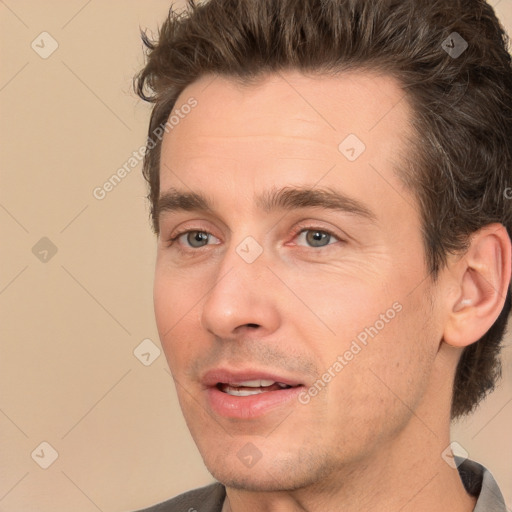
x=328 y=185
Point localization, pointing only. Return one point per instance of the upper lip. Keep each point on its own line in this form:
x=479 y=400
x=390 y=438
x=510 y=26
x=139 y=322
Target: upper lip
x=233 y=377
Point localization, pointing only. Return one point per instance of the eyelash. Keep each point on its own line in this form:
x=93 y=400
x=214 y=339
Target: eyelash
x=297 y=232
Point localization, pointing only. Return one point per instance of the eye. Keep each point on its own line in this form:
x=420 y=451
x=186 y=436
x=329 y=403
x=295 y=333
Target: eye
x=194 y=239
x=312 y=237
x=317 y=237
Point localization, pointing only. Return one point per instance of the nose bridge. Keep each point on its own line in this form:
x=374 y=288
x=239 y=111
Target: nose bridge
x=244 y=263
x=240 y=295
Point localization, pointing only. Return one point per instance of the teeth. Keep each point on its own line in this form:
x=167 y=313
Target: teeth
x=255 y=383
x=242 y=392
x=252 y=387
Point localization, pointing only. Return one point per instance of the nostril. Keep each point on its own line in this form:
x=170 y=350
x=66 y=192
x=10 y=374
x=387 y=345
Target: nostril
x=253 y=325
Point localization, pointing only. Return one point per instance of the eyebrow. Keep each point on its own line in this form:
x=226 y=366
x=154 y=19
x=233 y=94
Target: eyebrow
x=287 y=199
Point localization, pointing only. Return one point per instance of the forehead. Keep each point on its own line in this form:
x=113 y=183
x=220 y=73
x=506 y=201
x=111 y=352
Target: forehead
x=338 y=102
x=323 y=108
x=288 y=127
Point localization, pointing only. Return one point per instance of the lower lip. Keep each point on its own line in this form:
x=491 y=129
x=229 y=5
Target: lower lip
x=252 y=406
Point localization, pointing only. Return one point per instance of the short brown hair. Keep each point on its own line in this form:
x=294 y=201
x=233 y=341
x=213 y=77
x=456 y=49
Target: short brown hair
x=460 y=161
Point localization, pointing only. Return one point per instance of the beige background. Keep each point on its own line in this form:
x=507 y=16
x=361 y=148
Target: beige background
x=69 y=325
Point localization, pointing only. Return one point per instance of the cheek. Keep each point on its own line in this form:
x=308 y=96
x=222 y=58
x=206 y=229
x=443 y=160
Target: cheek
x=343 y=310
x=378 y=328
x=175 y=305
x=165 y=302
x=388 y=375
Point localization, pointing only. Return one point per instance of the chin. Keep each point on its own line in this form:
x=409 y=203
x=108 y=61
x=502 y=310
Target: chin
x=284 y=473
x=259 y=481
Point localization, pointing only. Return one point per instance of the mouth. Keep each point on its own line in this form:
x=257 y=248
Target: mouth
x=252 y=387
x=250 y=394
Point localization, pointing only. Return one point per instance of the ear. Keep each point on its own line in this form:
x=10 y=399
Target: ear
x=482 y=278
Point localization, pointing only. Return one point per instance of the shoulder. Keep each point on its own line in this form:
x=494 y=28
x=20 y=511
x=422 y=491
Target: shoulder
x=204 y=499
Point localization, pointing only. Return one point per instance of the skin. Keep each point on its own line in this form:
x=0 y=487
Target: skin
x=373 y=437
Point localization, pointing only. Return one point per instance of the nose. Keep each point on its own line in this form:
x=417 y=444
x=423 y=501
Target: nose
x=243 y=299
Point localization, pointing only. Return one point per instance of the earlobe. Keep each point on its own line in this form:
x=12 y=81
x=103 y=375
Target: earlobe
x=483 y=281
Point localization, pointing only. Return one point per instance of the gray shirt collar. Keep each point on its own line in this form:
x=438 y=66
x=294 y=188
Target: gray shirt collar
x=480 y=483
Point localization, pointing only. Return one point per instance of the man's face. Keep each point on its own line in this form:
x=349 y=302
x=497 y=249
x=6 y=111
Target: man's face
x=305 y=270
